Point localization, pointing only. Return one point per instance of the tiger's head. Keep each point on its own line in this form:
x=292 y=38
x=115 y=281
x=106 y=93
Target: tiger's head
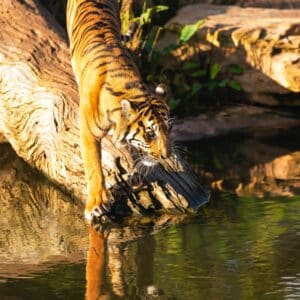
x=148 y=129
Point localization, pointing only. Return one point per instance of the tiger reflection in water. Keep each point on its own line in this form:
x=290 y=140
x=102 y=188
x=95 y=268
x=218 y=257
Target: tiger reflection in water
x=106 y=265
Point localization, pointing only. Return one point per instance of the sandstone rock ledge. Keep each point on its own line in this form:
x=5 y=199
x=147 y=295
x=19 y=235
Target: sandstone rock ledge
x=266 y=42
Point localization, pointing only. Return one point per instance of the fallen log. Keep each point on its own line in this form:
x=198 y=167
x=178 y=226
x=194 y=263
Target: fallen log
x=39 y=118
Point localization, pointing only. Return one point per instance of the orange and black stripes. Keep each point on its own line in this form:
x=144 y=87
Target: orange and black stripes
x=113 y=98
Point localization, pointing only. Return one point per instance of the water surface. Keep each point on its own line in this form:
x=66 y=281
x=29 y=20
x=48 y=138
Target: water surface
x=243 y=245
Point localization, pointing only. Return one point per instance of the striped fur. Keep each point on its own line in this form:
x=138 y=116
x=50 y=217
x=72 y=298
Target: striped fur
x=113 y=98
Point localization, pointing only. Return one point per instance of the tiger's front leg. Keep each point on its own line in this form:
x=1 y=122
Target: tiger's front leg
x=97 y=203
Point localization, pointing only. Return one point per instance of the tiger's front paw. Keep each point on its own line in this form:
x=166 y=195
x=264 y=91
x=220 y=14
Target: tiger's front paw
x=98 y=207
x=98 y=213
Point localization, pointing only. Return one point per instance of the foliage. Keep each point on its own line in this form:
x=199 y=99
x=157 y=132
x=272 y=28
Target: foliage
x=147 y=13
x=189 y=80
x=188 y=31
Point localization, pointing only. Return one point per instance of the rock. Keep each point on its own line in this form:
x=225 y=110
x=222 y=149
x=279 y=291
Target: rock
x=2 y=138
x=265 y=42
x=263 y=162
x=278 y=176
x=284 y=167
x=270 y=4
x=239 y=119
x=249 y=3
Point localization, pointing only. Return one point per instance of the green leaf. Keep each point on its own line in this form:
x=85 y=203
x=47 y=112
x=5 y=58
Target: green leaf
x=159 y=8
x=212 y=85
x=196 y=87
x=199 y=73
x=190 y=65
x=188 y=31
x=146 y=16
x=214 y=70
x=155 y=60
x=178 y=79
x=236 y=70
x=149 y=77
x=223 y=83
x=173 y=103
x=235 y=85
x=217 y=163
x=148 y=43
x=167 y=50
x=186 y=86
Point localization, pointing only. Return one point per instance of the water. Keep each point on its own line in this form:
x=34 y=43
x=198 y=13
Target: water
x=243 y=245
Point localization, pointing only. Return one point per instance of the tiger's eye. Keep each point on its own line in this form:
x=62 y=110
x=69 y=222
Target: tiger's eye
x=150 y=135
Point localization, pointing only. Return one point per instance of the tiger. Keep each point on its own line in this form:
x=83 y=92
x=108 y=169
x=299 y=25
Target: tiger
x=114 y=99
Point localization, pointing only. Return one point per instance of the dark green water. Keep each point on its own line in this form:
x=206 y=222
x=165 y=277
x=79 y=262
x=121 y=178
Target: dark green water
x=239 y=248
x=243 y=245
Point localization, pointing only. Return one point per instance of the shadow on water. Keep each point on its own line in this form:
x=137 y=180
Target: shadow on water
x=261 y=164
x=239 y=247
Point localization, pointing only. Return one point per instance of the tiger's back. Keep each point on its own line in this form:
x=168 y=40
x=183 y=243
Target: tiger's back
x=113 y=97
x=95 y=42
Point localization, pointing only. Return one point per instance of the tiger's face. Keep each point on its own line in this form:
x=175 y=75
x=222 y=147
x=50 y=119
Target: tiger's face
x=148 y=132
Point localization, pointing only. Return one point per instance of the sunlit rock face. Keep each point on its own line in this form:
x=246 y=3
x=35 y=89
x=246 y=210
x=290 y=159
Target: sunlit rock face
x=269 y=4
x=249 y=3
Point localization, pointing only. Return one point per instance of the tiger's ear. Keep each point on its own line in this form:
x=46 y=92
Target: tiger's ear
x=162 y=90
x=126 y=108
